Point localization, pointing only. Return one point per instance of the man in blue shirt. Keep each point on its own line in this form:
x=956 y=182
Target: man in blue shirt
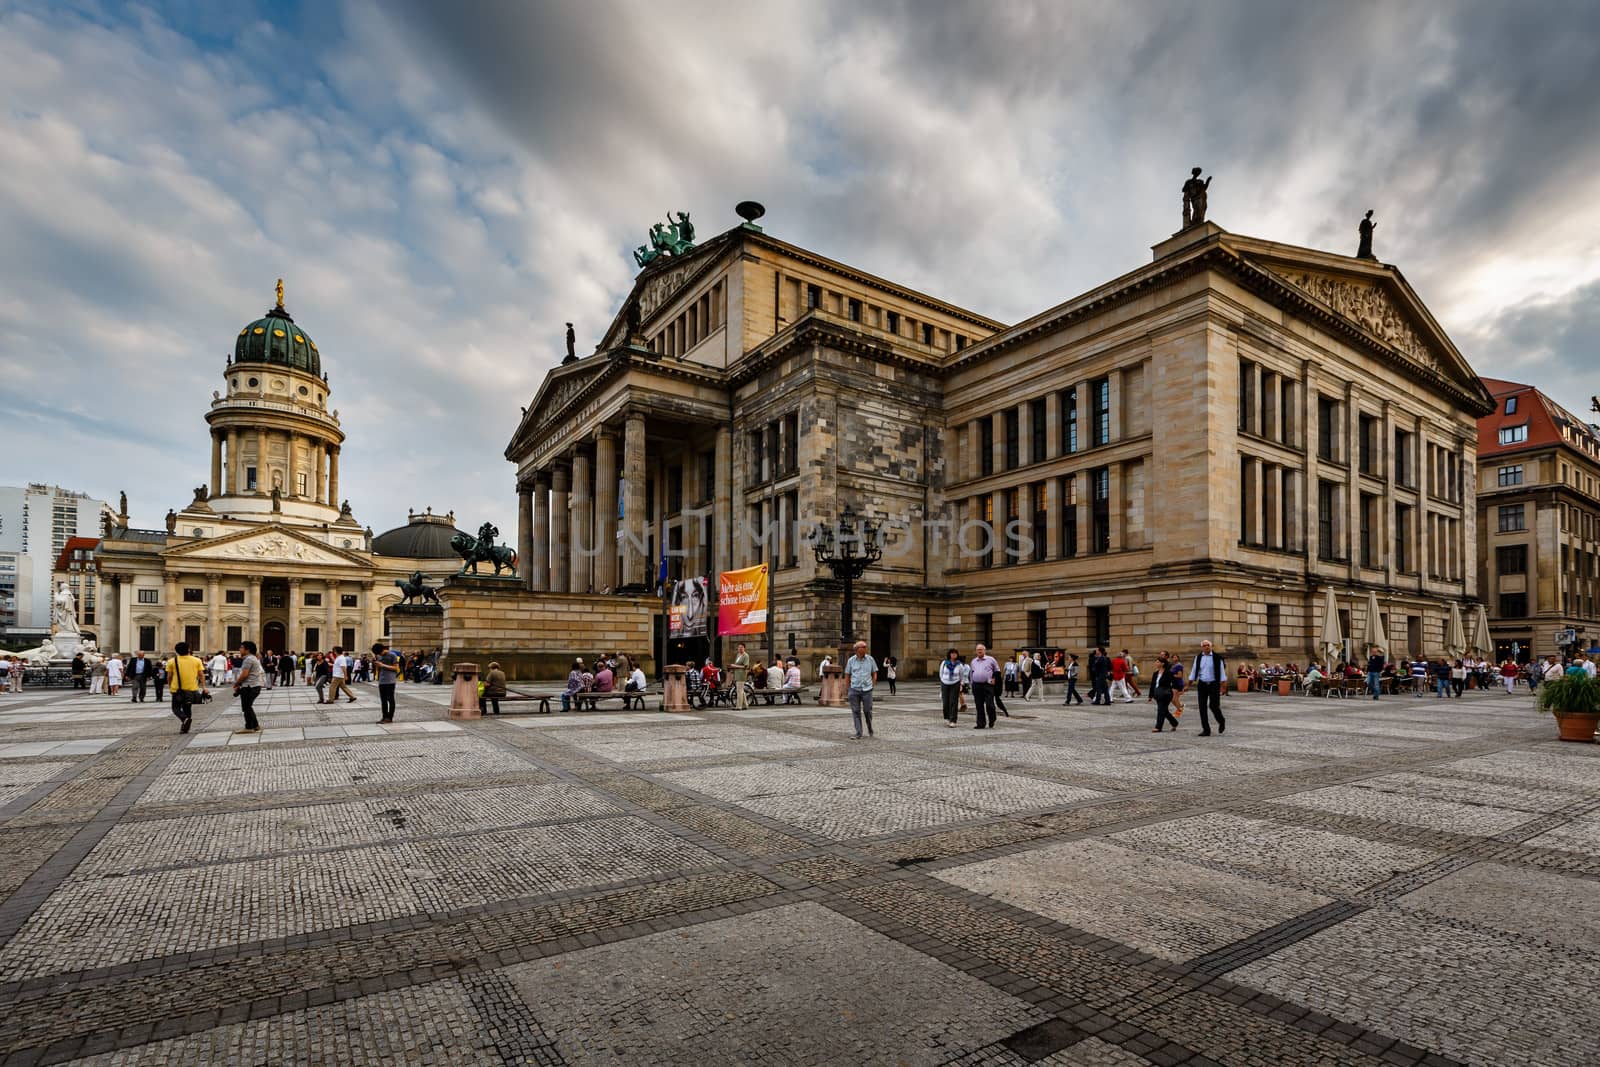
x=862 y=670
x=985 y=671
x=1209 y=673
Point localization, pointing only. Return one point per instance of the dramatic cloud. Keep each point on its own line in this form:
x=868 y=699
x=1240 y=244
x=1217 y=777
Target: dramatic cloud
x=441 y=187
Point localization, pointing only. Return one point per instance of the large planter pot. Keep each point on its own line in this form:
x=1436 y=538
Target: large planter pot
x=1577 y=725
x=1283 y=687
x=1243 y=684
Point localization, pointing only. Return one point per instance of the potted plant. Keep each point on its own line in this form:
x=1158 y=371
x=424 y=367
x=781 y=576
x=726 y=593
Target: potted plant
x=1574 y=699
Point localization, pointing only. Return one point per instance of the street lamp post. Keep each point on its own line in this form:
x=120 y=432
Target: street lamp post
x=848 y=550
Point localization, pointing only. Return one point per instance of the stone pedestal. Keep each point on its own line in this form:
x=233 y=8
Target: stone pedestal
x=416 y=627
x=464 y=692
x=675 y=691
x=66 y=644
x=835 y=687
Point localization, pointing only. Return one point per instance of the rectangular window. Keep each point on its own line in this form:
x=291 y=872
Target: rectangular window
x=1038 y=628
x=774 y=451
x=149 y=596
x=1040 y=516
x=1511 y=475
x=1511 y=405
x=674 y=489
x=1402 y=537
x=1369 y=530
x=313 y=639
x=791 y=540
x=1513 y=605
x=235 y=636
x=758 y=456
x=1513 y=435
x=791 y=442
x=347 y=637
x=1036 y=417
x=961 y=341
x=1404 y=469
x=855 y=310
x=1100 y=510
x=1286 y=413
x=1510 y=518
x=191 y=634
x=985 y=630
x=347 y=600
x=927 y=334
x=813 y=296
x=233 y=596
x=1069 y=517
x=986 y=511
x=1100 y=390
x=891 y=321
x=1274 y=626
x=147 y=637
x=1367 y=440
x=250 y=479
x=1327 y=507
x=1511 y=559
x=1327 y=429
x=313 y=600
x=1007 y=535
x=1247 y=404
x=1100 y=626
x=300 y=484
x=986 y=445
x=192 y=595
x=1013 y=419
x=1069 y=421
x=708 y=476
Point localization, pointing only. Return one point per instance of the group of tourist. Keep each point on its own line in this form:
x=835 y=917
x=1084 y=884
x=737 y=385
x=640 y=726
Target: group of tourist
x=601 y=677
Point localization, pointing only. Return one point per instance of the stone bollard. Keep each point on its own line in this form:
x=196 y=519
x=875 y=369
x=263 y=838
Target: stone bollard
x=464 y=692
x=675 y=690
x=835 y=687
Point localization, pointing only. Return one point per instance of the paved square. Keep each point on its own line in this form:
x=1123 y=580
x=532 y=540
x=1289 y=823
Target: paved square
x=1331 y=882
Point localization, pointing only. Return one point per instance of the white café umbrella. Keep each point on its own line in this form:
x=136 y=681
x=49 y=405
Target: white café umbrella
x=1332 y=638
x=1455 y=638
x=1372 y=635
x=1482 y=644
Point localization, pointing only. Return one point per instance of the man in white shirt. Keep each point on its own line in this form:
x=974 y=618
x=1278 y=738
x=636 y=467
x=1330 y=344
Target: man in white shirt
x=636 y=683
x=218 y=666
x=340 y=677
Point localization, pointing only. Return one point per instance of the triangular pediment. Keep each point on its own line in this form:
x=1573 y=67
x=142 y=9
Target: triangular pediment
x=561 y=386
x=269 y=544
x=1374 y=300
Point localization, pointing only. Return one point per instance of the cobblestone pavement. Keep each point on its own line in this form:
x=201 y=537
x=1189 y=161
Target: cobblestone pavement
x=1401 y=882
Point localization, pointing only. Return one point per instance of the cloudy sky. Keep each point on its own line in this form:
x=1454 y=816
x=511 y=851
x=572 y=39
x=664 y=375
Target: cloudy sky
x=441 y=186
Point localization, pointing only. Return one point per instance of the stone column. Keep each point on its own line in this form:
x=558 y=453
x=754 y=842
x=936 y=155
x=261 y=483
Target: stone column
x=1025 y=454
x=1118 y=501
x=330 y=602
x=997 y=453
x=320 y=490
x=291 y=486
x=1052 y=516
x=1386 y=505
x=560 y=556
x=582 y=522
x=1085 y=491
x=370 y=611
x=333 y=476
x=539 y=563
x=1352 y=459
x=263 y=483
x=1114 y=402
x=1052 y=424
x=633 y=562
x=1306 y=394
x=169 y=613
x=605 y=509
x=235 y=468
x=214 y=632
x=216 y=463
x=110 y=613
x=295 y=639
x=1423 y=534
x=252 y=600
x=722 y=515
x=524 y=533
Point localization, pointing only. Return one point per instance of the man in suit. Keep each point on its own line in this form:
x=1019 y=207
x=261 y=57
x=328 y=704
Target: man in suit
x=1209 y=675
x=1099 y=676
x=141 y=669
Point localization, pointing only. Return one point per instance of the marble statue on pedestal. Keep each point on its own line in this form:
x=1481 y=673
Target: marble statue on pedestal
x=64 y=617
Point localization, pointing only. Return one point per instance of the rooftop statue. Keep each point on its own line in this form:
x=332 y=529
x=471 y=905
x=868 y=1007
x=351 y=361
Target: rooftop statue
x=1194 y=199
x=673 y=238
x=1364 y=250
x=572 y=345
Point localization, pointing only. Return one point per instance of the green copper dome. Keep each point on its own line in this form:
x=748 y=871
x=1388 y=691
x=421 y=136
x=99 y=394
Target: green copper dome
x=274 y=338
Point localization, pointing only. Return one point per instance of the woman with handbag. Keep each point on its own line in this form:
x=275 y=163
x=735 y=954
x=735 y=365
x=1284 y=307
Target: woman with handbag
x=188 y=677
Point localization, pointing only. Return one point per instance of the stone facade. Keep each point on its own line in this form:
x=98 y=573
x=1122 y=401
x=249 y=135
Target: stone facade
x=416 y=627
x=537 y=635
x=1201 y=447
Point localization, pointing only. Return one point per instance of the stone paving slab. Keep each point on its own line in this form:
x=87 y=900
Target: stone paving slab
x=1349 y=883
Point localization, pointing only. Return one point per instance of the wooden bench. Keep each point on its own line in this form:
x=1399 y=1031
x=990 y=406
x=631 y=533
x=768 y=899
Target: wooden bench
x=590 y=701
x=791 y=695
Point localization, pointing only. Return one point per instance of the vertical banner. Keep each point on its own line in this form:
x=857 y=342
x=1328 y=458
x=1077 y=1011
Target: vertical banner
x=742 y=601
x=688 y=610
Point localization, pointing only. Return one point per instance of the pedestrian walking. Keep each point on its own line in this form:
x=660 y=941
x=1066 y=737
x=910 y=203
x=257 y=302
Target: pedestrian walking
x=388 y=666
x=1209 y=673
x=862 y=670
x=1099 y=676
x=218 y=667
x=1119 y=679
x=1073 y=696
x=339 y=672
x=188 y=676
x=1375 y=665
x=160 y=675
x=1508 y=674
x=891 y=669
x=114 y=673
x=1013 y=675
x=985 y=671
x=140 y=669
x=247 y=685
x=950 y=686
x=1161 y=688
x=740 y=672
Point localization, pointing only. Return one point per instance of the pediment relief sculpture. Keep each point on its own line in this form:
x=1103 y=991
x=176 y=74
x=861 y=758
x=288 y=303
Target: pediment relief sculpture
x=1369 y=307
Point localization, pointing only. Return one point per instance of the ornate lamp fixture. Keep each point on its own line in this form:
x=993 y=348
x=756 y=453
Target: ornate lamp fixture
x=847 y=550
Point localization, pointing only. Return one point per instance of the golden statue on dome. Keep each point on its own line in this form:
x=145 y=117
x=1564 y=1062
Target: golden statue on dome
x=280 y=292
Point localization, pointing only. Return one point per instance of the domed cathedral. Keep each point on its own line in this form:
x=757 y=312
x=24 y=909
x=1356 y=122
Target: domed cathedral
x=267 y=551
